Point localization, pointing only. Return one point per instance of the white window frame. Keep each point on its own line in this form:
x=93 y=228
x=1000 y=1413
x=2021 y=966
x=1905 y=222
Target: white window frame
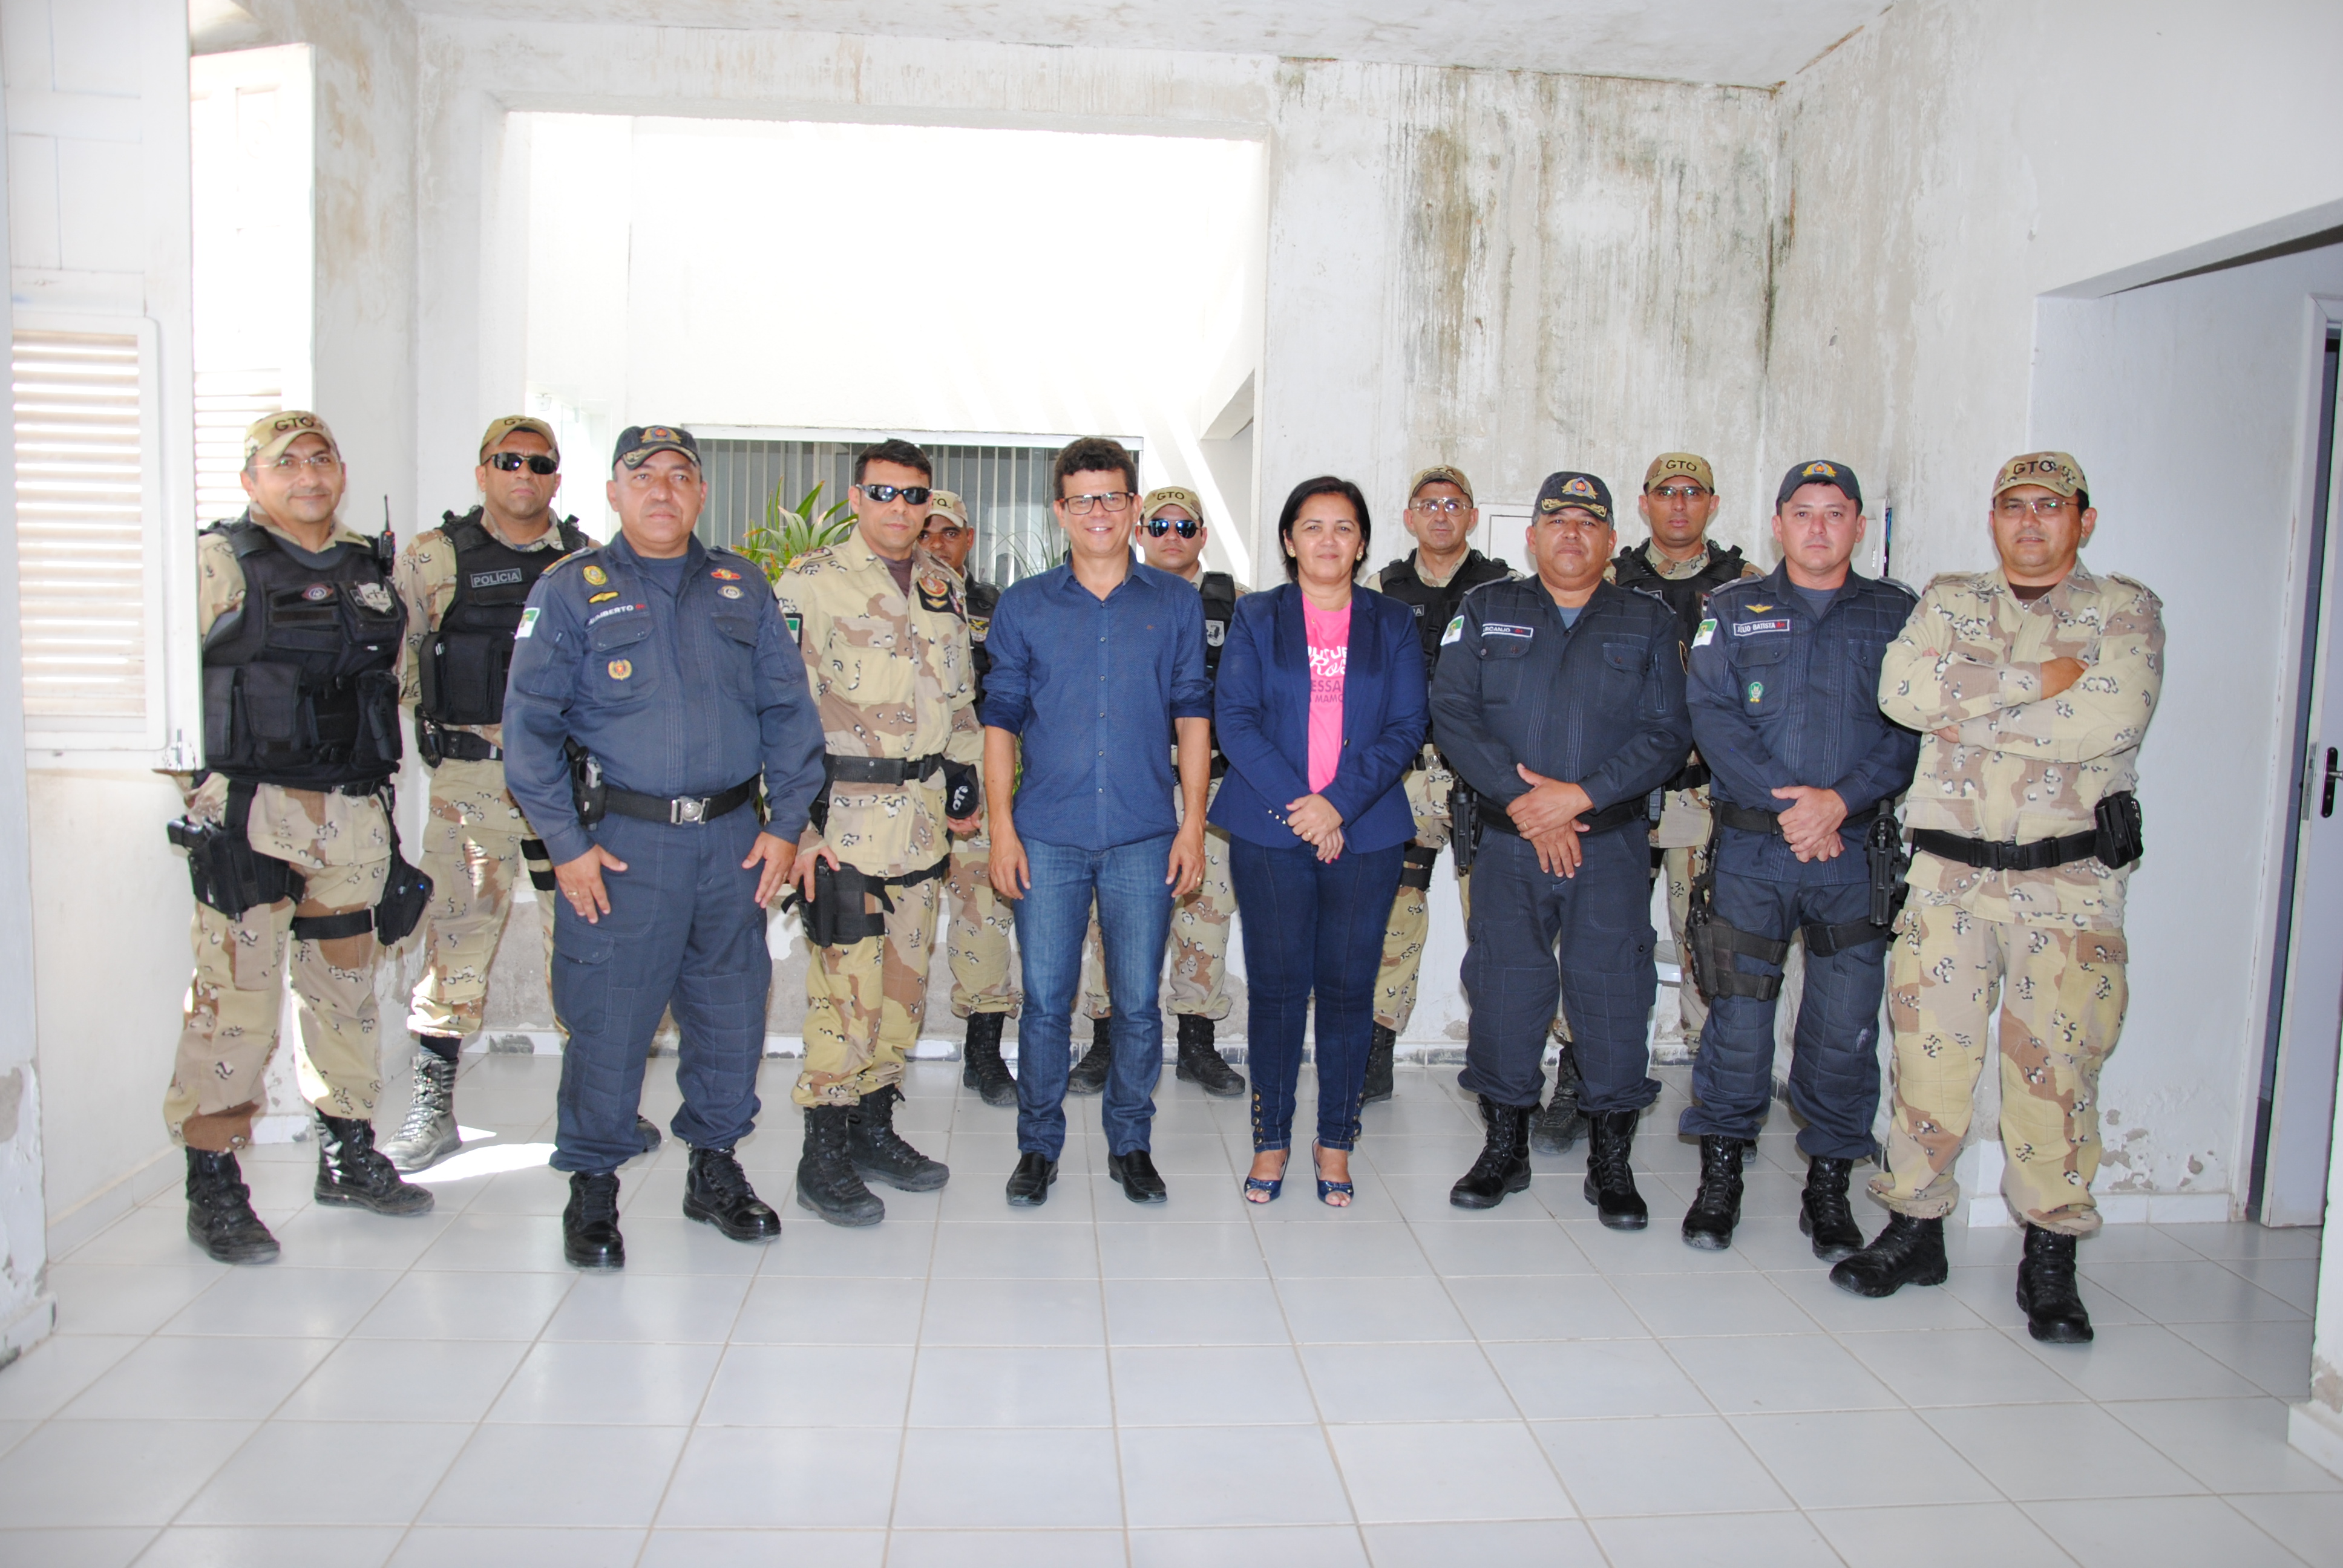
x=165 y=735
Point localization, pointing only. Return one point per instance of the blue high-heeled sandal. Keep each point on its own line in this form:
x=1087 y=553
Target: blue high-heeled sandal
x=1327 y=1189
x=1272 y=1185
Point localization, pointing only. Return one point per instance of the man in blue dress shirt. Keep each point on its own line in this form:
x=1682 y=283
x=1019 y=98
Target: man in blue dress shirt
x=1098 y=670
x=653 y=689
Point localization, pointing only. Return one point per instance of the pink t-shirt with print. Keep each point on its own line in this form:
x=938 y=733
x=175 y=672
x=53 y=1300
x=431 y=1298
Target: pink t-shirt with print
x=1330 y=655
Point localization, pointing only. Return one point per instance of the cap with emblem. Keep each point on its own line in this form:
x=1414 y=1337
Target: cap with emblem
x=1178 y=495
x=2054 y=471
x=947 y=504
x=1439 y=474
x=1564 y=490
x=1679 y=466
x=266 y=438
x=637 y=442
x=504 y=425
x=1820 y=471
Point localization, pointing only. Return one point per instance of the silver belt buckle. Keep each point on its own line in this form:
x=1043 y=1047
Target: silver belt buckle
x=682 y=811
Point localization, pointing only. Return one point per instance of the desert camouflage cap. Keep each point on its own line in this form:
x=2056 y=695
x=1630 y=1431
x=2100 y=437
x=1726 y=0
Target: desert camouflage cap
x=2054 y=471
x=266 y=438
x=1680 y=465
x=947 y=504
x=1171 y=496
x=1439 y=474
x=504 y=425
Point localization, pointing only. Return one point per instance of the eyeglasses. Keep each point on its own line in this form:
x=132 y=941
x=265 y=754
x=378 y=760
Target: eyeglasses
x=1113 y=500
x=1187 y=527
x=538 y=463
x=916 y=494
x=2040 y=506
x=1681 y=492
x=1449 y=506
x=317 y=463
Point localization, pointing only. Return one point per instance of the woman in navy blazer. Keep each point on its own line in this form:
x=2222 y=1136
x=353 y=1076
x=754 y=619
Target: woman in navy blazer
x=1319 y=707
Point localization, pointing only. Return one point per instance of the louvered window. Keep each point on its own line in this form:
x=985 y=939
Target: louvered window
x=226 y=402
x=87 y=599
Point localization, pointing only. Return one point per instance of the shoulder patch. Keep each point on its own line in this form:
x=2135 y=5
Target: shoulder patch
x=527 y=624
x=1456 y=632
x=1706 y=634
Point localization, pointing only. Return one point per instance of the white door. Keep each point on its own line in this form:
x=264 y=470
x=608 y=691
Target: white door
x=2301 y=1083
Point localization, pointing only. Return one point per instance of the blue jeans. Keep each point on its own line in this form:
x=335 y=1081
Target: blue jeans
x=1134 y=913
x=1834 y=1064
x=684 y=932
x=1311 y=927
x=1585 y=938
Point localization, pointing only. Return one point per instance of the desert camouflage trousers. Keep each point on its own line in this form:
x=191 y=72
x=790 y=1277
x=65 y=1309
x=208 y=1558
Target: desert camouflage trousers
x=472 y=853
x=865 y=1002
x=984 y=973
x=1411 y=915
x=237 y=995
x=1198 y=984
x=1682 y=839
x=2062 y=995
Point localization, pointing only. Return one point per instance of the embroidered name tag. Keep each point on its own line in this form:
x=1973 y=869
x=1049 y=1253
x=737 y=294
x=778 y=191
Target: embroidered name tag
x=1752 y=628
x=1499 y=628
x=602 y=615
x=504 y=578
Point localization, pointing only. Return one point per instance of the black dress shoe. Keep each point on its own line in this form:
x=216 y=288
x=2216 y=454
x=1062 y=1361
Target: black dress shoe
x=1823 y=1212
x=590 y=1225
x=2054 y=1309
x=716 y=1191
x=1716 y=1207
x=1908 y=1252
x=1028 y=1184
x=1135 y=1172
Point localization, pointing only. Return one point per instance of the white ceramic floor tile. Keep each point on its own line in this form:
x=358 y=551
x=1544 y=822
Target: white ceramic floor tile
x=763 y=1548
x=2275 y=1356
x=1005 y=1549
x=1210 y=1385
x=977 y=1250
x=1406 y=1382
x=593 y=1384
x=1005 y=1478
x=276 y=1303
x=1209 y=1311
x=1689 y=1464
x=39 y=1382
x=1953 y=1535
x=818 y=1309
x=1354 y=1247
x=320 y=1473
x=1959 y=1366
x=1198 y=1252
x=1498 y=1544
x=475 y=1306
x=1589 y=1379
x=2308 y=1524
x=2121 y=1534
x=1545 y=1307
x=103 y=1472
x=774 y=1477
x=414 y=1380
x=2098 y=1455
x=810 y=1385
x=1676 y=1306
x=1745 y=1540
x=1289 y=1546
x=1181 y=1476
x=1014 y=1312
x=1392 y=1310
x=1864 y=1459
x=1466 y=1471
x=1018 y=1386
x=606 y=1477
x=1780 y=1372
x=319 y=1238
x=199 y=1379
x=2138 y=1360
x=507 y=1546
x=2230 y=1446
x=647 y=1308
x=2193 y=1291
x=123 y=1299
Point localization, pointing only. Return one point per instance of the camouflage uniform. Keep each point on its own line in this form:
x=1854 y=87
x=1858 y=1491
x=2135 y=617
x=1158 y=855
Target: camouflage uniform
x=984 y=980
x=892 y=675
x=341 y=845
x=2048 y=943
x=473 y=840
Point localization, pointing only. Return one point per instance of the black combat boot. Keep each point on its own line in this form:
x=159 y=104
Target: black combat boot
x=2054 y=1309
x=219 y=1211
x=352 y=1173
x=716 y=1191
x=1609 y=1183
x=1505 y=1163
x=1559 y=1123
x=1200 y=1063
x=826 y=1183
x=1381 y=1048
x=1089 y=1075
x=428 y=1135
x=1908 y=1252
x=590 y=1225
x=879 y=1151
x=1823 y=1212
x=1716 y=1207
x=981 y=1068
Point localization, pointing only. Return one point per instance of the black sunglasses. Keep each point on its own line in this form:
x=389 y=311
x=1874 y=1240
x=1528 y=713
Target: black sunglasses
x=916 y=494
x=511 y=462
x=1189 y=527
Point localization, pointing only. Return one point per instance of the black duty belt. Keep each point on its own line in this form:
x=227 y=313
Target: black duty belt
x=463 y=746
x=1754 y=821
x=1694 y=774
x=2041 y=854
x=682 y=810
x=895 y=771
x=1494 y=815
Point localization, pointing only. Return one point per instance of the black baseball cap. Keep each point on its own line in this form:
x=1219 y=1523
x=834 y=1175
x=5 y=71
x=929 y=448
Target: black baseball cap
x=637 y=442
x=1567 y=489
x=1820 y=471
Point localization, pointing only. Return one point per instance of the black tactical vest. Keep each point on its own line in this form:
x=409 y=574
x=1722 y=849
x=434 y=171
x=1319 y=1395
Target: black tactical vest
x=1632 y=568
x=982 y=599
x=1435 y=607
x=463 y=664
x=1220 y=594
x=301 y=682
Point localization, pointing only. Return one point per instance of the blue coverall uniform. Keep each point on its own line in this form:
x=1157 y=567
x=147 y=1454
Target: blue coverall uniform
x=1781 y=698
x=680 y=687
x=1599 y=704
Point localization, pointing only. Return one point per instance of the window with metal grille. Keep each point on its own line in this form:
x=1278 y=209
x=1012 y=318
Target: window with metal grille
x=86 y=598
x=1006 y=488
